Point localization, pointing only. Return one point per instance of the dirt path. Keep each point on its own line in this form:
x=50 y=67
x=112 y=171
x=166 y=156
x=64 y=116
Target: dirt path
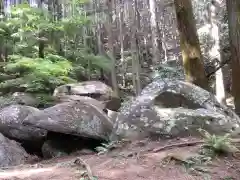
x=126 y=164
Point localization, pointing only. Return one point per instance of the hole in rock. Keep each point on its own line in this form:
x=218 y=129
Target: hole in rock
x=57 y=144
x=65 y=144
x=33 y=148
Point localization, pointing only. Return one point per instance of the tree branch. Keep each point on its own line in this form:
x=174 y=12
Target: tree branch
x=219 y=67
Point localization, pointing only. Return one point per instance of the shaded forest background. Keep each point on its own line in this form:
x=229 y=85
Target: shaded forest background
x=126 y=44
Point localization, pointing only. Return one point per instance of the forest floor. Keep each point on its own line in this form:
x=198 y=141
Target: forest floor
x=140 y=160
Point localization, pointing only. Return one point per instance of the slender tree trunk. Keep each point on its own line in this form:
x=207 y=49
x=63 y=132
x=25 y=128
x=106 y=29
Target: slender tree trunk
x=41 y=34
x=215 y=52
x=191 y=53
x=99 y=36
x=1 y=7
x=121 y=37
x=155 y=30
x=2 y=39
x=233 y=8
x=110 y=4
x=59 y=16
x=135 y=52
x=163 y=36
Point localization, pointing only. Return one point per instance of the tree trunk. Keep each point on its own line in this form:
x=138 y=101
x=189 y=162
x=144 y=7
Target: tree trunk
x=215 y=53
x=41 y=44
x=154 y=30
x=191 y=53
x=233 y=8
x=111 y=12
x=121 y=37
x=135 y=52
x=2 y=39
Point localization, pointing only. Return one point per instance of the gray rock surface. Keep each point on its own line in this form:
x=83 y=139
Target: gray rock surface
x=144 y=115
x=11 y=153
x=76 y=118
x=94 y=89
x=69 y=98
x=11 y=123
x=172 y=122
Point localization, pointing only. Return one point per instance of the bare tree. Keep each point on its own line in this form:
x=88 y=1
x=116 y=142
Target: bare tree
x=191 y=53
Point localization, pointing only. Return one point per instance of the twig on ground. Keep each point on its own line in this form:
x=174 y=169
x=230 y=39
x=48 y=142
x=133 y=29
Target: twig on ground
x=81 y=162
x=182 y=144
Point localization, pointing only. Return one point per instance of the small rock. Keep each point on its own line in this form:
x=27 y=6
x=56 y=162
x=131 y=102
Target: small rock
x=25 y=99
x=94 y=89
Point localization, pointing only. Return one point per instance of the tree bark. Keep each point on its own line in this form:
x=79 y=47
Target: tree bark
x=155 y=30
x=215 y=52
x=2 y=39
x=41 y=44
x=121 y=37
x=189 y=42
x=110 y=4
x=233 y=8
x=135 y=52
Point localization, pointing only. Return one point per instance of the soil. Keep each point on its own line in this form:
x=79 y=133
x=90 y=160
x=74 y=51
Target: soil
x=139 y=160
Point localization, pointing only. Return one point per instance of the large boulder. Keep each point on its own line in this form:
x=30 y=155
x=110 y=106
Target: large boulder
x=93 y=89
x=76 y=118
x=172 y=122
x=182 y=94
x=11 y=123
x=11 y=153
x=141 y=114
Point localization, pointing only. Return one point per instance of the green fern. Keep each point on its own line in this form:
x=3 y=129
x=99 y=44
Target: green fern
x=218 y=144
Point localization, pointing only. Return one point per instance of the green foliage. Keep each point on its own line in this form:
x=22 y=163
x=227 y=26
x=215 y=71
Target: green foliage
x=109 y=146
x=39 y=75
x=66 y=52
x=106 y=147
x=45 y=100
x=217 y=144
